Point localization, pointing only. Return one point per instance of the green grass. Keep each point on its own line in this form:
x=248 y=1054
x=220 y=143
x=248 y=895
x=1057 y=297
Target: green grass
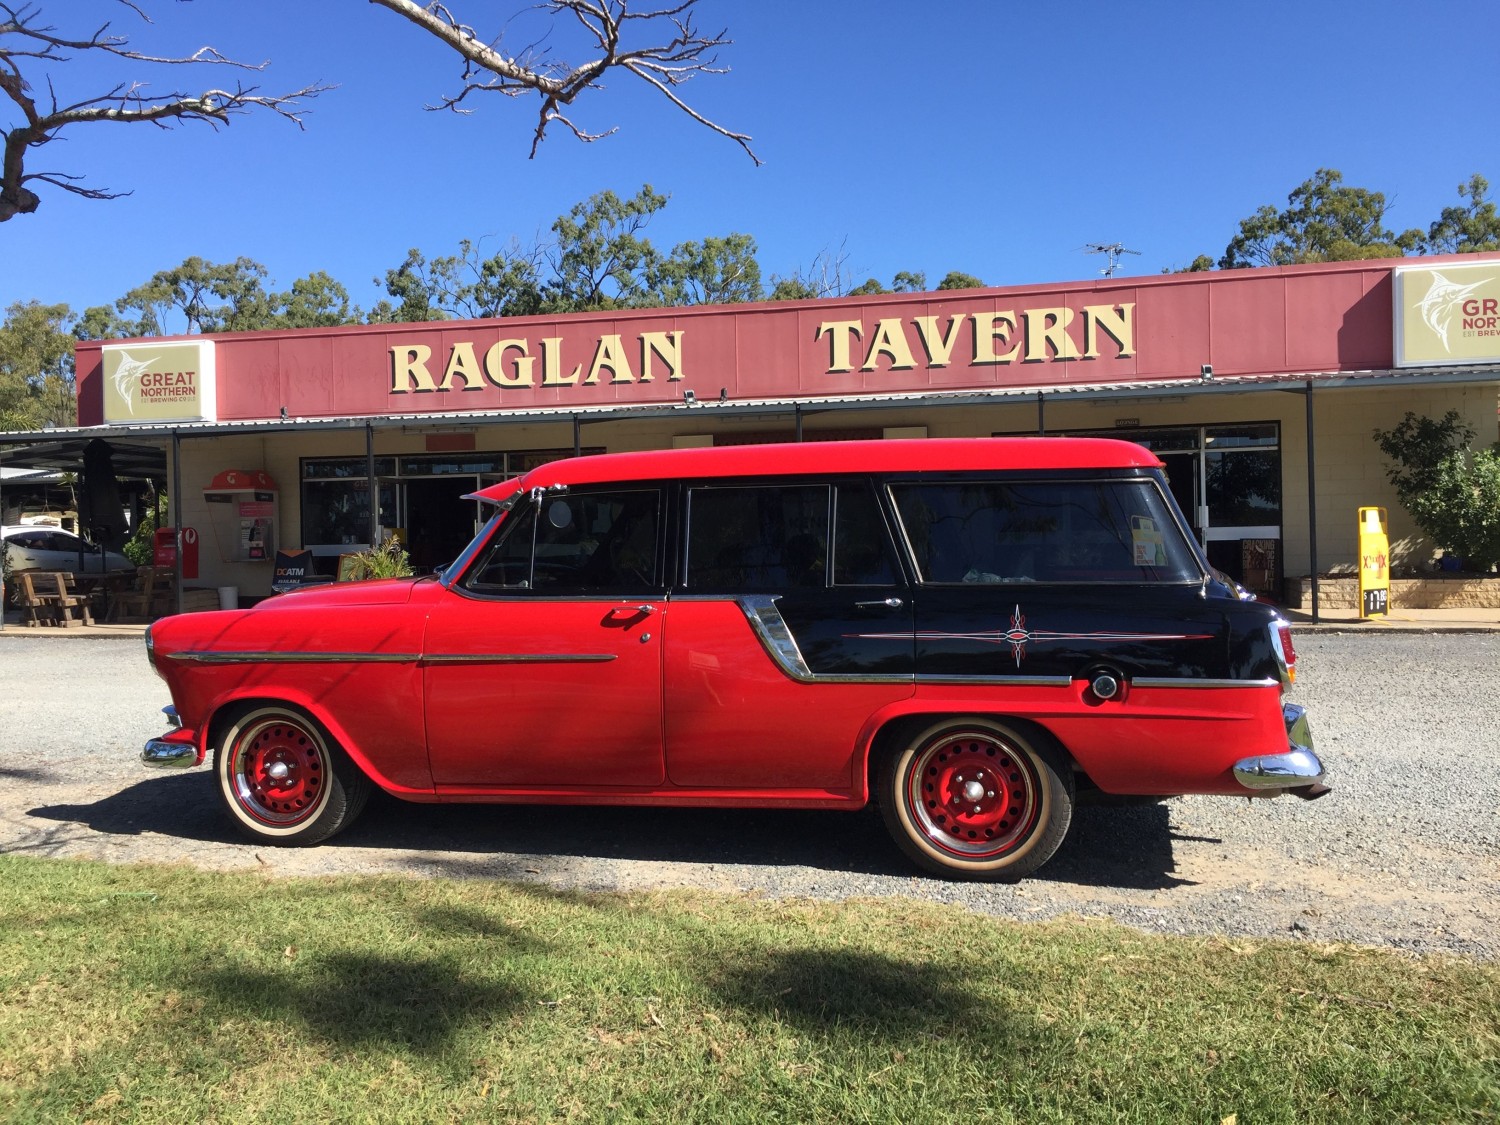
x=166 y=994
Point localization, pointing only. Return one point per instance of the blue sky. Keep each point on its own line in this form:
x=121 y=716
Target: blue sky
x=996 y=138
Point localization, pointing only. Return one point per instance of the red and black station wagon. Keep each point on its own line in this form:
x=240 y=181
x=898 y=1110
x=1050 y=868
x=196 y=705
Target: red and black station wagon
x=974 y=633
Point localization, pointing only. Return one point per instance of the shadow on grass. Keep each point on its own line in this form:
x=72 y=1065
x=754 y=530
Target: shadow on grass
x=821 y=989
x=1107 y=847
x=364 y=1001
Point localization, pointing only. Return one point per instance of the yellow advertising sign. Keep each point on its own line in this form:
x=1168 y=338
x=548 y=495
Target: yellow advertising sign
x=145 y=382
x=1374 y=563
x=1448 y=314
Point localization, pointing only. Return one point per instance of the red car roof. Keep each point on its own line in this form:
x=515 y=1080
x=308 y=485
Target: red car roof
x=809 y=458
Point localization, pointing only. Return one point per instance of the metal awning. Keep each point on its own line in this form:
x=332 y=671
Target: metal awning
x=63 y=447
x=62 y=451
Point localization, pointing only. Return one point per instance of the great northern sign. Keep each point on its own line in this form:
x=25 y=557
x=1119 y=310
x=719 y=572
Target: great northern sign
x=150 y=381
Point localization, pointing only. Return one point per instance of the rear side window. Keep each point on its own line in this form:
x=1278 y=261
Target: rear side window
x=994 y=532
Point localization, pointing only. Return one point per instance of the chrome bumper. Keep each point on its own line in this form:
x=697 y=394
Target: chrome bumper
x=1298 y=771
x=169 y=752
x=169 y=755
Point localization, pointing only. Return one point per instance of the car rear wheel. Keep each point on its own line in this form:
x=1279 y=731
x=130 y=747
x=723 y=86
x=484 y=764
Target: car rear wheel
x=283 y=778
x=977 y=799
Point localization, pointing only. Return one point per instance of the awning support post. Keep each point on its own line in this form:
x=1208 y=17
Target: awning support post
x=174 y=509
x=374 y=485
x=1312 y=502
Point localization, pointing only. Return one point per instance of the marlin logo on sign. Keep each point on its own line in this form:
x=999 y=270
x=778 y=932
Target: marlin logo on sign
x=127 y=374
x=1442 y=303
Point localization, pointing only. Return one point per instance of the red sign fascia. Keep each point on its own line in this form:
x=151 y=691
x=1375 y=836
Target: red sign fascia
x=1270 y=321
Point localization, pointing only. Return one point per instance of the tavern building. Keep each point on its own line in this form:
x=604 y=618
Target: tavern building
x=1259 y=389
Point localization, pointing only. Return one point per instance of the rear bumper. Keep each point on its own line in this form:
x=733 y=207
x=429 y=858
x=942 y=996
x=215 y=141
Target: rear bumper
x=1297 y=771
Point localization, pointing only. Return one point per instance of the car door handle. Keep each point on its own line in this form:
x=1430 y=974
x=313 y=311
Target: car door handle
x=631 y=611
x=883 y=603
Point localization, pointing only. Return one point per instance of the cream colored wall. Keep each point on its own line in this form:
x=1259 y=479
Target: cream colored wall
x=202 y=458
x=1351 y=469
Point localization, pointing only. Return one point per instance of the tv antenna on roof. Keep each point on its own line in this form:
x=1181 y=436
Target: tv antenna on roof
x=1113 y=249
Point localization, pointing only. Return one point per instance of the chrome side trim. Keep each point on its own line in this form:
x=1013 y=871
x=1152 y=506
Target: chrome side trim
x=394 y=658
x=199 y=657
x=770 y=629
x=520 y=658
x=998 y=681
x=1165 y=682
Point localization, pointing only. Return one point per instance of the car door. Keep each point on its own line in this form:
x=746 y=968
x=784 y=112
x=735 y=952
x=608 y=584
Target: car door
x=785 y=638
x=543 y=661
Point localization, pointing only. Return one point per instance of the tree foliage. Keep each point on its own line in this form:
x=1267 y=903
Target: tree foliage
x=602 y=259
x=36 y=367
x=1324 y=221
x=1450 y=489
x=1469 y=227
x=203 y=296
x=599 y=258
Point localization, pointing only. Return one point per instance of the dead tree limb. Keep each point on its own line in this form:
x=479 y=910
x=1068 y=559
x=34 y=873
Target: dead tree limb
x=489 y=68
x=29 y=47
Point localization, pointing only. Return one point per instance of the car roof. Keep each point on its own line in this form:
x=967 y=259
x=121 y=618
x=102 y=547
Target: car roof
x=910 y=455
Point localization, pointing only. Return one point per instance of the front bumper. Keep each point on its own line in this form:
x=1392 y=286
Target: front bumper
x=1298 y=771
x=177 y=749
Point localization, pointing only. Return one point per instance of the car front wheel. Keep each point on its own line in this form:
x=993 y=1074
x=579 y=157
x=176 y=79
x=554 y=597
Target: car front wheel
x=977 y=799
x=284 y=780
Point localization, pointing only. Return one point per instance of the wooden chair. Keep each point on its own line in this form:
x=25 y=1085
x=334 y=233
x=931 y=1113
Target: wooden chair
x=66 y=599
x=37 y=604
x=152 y=596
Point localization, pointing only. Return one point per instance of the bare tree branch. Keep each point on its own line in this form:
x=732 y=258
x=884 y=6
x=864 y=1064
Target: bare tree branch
x=24 y=41
x=685 y=54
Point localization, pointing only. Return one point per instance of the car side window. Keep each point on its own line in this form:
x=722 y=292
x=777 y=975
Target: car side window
x=766 y=537
x=991 y=532
x=584 y=543
x=861 y=545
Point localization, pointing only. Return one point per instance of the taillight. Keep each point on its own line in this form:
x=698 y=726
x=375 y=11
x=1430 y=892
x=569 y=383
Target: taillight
x=1286 y=652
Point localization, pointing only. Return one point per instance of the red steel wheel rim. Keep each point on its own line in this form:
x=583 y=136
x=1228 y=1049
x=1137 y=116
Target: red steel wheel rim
x=972 y=795
x=280 y=772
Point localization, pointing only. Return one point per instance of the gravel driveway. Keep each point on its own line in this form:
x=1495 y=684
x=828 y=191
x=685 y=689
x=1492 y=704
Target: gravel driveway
x=1405 y=852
